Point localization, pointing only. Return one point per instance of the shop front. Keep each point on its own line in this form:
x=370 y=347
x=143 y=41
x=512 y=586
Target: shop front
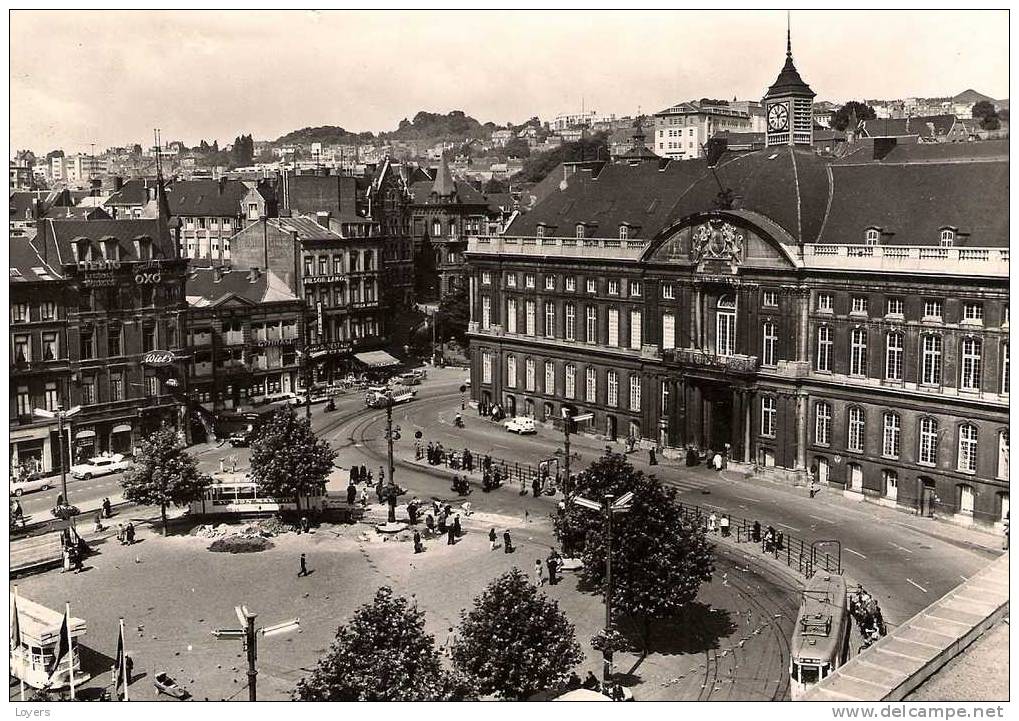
x=34 y=450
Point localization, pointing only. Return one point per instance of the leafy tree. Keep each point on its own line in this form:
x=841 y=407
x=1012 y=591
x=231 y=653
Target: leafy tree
x=539 y=165
x=517 y=148
x=455 y=313
x=516 y=642
x=987 y=114
x=243 y=151
x=164 y=474
x=840 y=120
x=659 y=559
x=494 y=185
x=383 y=654
x=287 y=459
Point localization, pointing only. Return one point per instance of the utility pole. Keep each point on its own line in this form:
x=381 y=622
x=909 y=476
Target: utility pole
x=610 y=506
x=248 y=635
x=391 y=436
x=251 y=641
x=60 y=415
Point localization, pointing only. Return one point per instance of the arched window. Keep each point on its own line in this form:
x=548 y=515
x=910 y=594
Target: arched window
x=947 y=237
x=511 y=371
x=624 y=232
x=928 y=452
x=822 y=423
x=549 y=378
x=725 y=325
x=891 y=435
x=529 y=375
x=580 y=230
x=539 y=231
x=968 y=448
x=872 y=236
x=856 y=430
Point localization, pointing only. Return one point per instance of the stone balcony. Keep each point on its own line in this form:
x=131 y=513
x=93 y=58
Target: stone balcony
x=919 y=259
x=698 y=358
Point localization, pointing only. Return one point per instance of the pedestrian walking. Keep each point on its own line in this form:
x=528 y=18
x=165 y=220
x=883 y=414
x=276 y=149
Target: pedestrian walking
x=120 y=533
x=1004 y=529
x=450 y=536
x=305 y=526
x=457 y=530
x=712 y=523
x=716 y=461
x=107 y=508
x=553 y=566
x=724 y=524
x=304 y=567
x=382 y=474
x=756 y=533
x=492 y=539
x=129 y=534
x=353 y=474
x=378 y=490
x=417 y=543
x=539 y=573
x=363 y=473
x=449 y=646
x=99 y=522
x=536 y=487
x=652 y=459
x=351 y=494
x=507 y=542
x=442 y=522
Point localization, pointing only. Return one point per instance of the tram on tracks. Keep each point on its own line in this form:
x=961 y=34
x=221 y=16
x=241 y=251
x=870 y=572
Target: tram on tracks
x=821 y=638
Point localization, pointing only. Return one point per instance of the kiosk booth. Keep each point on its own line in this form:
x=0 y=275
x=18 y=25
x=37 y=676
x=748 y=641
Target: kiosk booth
x=32 y=658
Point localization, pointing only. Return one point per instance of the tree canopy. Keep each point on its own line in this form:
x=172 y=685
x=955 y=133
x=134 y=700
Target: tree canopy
x=454 y=313
x=516 y=641
x=383 y=654
x=538 y=165
x=987 y=114
x=164 y=474
x=659 y=559
x=840 y=120
x=287 y=459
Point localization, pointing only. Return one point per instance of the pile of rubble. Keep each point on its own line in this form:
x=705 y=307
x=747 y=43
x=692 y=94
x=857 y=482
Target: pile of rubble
x=265 y=528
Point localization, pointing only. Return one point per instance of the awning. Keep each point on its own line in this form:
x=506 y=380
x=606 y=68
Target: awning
x=377 y=359
x=122 y=428
x=84 y=434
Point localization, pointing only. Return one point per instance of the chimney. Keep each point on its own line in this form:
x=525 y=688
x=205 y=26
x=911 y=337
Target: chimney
x=118 y=183
x=883 y=146
x=322 y=217
x=254 y=274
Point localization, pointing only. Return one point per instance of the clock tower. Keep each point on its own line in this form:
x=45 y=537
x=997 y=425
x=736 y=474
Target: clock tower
x=789 y=106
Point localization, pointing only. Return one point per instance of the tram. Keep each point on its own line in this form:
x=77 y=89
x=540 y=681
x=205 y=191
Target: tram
x=821 y=638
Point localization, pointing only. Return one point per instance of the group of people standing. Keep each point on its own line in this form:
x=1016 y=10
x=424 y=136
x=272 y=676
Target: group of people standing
x=553 y=563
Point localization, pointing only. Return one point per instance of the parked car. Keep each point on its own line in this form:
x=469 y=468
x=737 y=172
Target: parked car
x=100 y=466
x=521 y=425
x=27 y=484
x=240 y=439
x=408 y=379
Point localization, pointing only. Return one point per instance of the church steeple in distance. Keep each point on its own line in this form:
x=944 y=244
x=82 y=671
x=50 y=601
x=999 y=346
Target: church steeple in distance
x=789 y=104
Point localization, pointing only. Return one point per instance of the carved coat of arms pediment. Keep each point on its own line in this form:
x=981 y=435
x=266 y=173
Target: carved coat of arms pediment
x=717 y=240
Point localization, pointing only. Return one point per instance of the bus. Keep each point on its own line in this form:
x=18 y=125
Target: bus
x=821 y=637
x=235 y=494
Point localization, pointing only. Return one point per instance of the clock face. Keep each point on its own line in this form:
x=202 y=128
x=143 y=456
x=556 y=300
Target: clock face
x=778 y=117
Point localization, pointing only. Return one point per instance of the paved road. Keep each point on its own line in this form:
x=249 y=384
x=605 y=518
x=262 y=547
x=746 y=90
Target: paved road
x=908 y=562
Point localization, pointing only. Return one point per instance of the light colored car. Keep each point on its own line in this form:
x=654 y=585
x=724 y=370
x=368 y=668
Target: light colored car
x=408 y=379
x=521 y=424
x=28 y=485
x=100 y=466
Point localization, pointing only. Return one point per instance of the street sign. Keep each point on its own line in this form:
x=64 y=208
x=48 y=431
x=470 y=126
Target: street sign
x=242 y=618
x=293 y=624
x=587 y=504
x=158 y=358
x=583 y=417
x=230 y=634
x=623 y=500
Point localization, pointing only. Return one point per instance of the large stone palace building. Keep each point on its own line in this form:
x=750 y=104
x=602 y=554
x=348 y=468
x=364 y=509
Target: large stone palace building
x=846 y=315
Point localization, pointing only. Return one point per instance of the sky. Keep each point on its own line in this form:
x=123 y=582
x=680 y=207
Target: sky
x=110 y=77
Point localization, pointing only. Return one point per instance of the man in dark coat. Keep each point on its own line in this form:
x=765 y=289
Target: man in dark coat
x=351 y=494
x=354 y=474
x=451 y=535
x=304 y=567
x=553 y=566
x=507 y=542
x=417 y=543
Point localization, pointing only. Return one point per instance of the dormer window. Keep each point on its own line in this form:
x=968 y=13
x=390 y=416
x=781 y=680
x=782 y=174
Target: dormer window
x=540 y=231
x=580 y=230
x=143 y=248
x=871 y=236
x=624 y=232
x=111 y=250
x=947 y=237
x=82 y=250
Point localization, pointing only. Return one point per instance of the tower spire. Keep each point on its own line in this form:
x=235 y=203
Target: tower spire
x=788 y=37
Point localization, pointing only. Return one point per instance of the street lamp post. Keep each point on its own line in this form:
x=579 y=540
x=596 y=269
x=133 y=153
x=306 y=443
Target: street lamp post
x=60 y=416
x=248 y=635
x=391 y=436
x=610 y=507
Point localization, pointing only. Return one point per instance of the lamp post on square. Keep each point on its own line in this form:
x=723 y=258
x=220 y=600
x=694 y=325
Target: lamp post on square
x=60 y=415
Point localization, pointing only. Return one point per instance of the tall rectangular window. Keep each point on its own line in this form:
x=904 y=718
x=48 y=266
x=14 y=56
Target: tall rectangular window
x=22 y=348
x=1004 y=368
x=549 y=378
x=591 y=285
x=549 y=319
x=511 y=315
x=932 y=310
x=612 y=389
x=614 y=327
x=114 y=342
x=893 y=356
x=486 y=312
x=973 y=312
x=51 y=399
x=893 y=306
x=591 y=385
x=571 y=321
x=529 y=379
x=668 y=291
x=50 y=346
x=591 y=335
x=930 y=367
x=486 y=367
x=116 y=386
x=725 y=326
x=859 y=304
x=858 y=352
x=928 y=453
x=768 y=413
x=891 y=436
x=571 y=380
x=634 y=392
x=824 y=348
x=665 y=398
x=88 y=391
x=48 y=310
x=613 y=287
x=668 y=331
x=635 y=329
x=968 y=448
x=549 y=282
x=511 y=371
x=770 y=338
x=529 y=317
x=822 y=424
x=856 y=430
x=824 y=302
x=24 y=402
x=85 y=345
x=972 y=364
